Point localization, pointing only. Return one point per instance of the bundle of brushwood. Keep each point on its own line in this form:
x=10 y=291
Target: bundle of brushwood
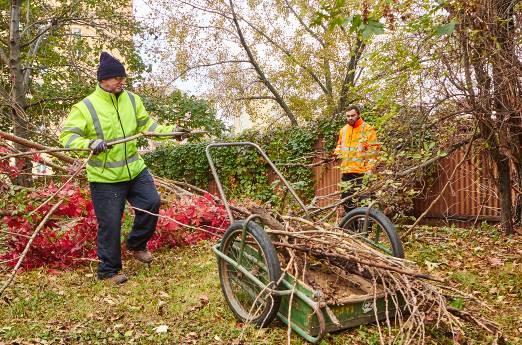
x=342 y=266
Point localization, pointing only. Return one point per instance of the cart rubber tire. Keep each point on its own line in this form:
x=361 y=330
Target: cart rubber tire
x=384 y=222
x=269 y=305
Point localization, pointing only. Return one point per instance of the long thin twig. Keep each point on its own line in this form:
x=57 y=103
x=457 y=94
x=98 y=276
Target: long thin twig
x=62 y=186
x=28 y=153
x=14 y=234
x=28 y=246
x=33 y=145
x=215 y=198
x=179 y=223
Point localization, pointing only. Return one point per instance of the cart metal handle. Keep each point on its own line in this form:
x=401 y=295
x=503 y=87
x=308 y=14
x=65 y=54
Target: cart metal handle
x=264 y=155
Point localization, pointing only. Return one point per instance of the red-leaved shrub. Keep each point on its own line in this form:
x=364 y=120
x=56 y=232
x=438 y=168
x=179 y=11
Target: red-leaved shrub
x=195 y=211
x=68 y=239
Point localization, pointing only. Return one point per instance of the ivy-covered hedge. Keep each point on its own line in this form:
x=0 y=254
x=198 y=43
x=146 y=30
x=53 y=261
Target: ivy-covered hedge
x=241 y=169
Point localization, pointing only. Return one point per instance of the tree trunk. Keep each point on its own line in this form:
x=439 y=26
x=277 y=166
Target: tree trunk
x=518 y=199
x=259 y=71
x=349 y=78
x=18 y=92
x=504 y=190
x=507 y=95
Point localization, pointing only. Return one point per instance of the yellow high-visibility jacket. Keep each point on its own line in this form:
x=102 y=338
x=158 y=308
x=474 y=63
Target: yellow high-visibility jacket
x=357 y=147
x=102 y=115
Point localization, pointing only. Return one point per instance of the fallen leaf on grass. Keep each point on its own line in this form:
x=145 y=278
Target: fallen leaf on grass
x=203 y=300
x=161 y=329
x=161 y=307
x=495 y=262
x=116 y=317
x=109 y=301
x=455 y=264
x=431 y=265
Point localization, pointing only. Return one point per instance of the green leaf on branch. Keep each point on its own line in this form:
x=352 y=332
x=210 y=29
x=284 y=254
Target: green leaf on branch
x=445 y=29
x=371 y=28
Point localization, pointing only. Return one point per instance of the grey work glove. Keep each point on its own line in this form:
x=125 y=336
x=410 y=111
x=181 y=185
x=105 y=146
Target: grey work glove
x=98 y=146
x=184 y=133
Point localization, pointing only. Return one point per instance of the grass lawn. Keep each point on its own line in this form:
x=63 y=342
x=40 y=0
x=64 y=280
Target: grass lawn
x=178 y=300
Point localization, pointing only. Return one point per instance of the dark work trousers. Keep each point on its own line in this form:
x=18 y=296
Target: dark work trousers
x=109 y=202
x=355 y=184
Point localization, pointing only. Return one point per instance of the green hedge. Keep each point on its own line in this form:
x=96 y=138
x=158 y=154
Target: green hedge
x=241 y=169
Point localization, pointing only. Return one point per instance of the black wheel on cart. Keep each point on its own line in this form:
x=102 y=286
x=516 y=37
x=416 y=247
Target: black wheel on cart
x=380 y=233
x=249 y=301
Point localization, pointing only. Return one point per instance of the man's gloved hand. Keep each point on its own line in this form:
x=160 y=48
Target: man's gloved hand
x=98 y=146
x=183 y=133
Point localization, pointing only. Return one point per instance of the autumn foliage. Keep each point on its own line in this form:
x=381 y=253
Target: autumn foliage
x=68 y=239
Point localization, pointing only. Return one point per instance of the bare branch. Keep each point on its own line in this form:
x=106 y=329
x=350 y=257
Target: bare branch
x=250 y=98
x=30 y=144
x=210 y=64
x=441 y=193
x=28 y=245
x=306 y=27
x=14 y=155
x=308 y=69
x=49 y=100
x=436 y=158
x=350 y=75
x=260 y=73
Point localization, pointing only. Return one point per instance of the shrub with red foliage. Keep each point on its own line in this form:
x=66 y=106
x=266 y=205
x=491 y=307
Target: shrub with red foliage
x=68 y=239
x=196 y=211
x=7 y=168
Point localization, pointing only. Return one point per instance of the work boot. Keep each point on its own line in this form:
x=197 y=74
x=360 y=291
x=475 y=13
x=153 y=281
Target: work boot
x=118 y=278
x=142 y=255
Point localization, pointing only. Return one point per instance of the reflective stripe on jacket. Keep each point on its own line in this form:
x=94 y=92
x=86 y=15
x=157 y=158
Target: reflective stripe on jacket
x=357 y=147
x=102 y=115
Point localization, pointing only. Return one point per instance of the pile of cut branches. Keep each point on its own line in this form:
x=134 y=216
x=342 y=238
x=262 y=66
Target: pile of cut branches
x=342 y=266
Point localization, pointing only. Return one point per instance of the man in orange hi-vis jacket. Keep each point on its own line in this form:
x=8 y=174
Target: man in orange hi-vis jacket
x=357 y=148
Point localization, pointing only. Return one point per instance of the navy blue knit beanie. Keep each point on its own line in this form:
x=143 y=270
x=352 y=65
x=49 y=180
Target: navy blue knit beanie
x=110 y=67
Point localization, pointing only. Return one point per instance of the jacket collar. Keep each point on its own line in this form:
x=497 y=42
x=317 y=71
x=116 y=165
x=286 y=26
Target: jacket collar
x=109 y=97
x=357 y=123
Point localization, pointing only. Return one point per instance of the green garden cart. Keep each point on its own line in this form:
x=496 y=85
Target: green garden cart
x=250 y=271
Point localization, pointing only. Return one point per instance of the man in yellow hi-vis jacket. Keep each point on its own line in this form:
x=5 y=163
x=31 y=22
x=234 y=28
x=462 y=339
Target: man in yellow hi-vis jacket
x=117 y=173
x=357 y=149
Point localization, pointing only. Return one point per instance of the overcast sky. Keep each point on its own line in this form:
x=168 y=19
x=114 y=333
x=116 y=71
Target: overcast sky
x=142 y=11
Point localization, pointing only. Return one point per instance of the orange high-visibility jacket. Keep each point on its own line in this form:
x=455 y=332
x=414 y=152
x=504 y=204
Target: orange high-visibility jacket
x=357 y=147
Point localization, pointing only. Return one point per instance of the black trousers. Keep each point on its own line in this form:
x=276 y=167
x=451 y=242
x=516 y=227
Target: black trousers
x=109 y=202
x=354 y=185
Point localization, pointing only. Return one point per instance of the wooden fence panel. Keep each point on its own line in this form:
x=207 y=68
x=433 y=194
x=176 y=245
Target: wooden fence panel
x=471 y=193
